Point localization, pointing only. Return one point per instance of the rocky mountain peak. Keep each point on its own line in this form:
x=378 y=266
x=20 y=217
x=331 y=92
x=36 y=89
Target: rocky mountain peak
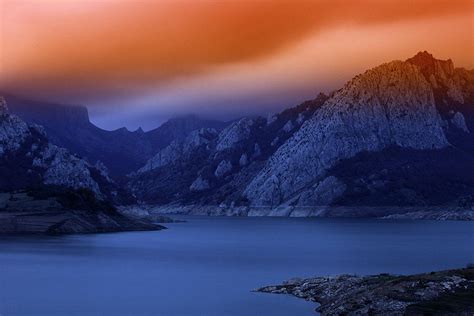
x=389 y=105
x=434 y=70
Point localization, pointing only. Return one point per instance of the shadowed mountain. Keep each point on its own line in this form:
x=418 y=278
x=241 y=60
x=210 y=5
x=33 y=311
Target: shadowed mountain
x=46 y=189
x=121 y=150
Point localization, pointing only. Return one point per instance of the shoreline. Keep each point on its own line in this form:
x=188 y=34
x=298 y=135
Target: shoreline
x=441 y=213
x=448 y=292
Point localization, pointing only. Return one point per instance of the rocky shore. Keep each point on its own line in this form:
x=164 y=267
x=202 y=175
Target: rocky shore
x=449 y=292
x=381 y=212
x=21 y=213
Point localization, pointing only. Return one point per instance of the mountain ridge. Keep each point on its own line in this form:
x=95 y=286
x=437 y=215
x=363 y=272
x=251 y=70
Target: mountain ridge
x=421 y=105
x=121 y=150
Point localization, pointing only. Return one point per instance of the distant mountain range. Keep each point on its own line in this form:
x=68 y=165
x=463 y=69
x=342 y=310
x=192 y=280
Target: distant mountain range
x=399 y=135
x=121 y=150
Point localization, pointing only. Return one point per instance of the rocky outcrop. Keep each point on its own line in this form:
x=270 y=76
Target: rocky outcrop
x=243 y=161
x=443 y=293
x=459 y=122
x=63 y=169
x=200 y=184
x=235 y=133
x=179 y=149
x=392 y=104
x=223 y=168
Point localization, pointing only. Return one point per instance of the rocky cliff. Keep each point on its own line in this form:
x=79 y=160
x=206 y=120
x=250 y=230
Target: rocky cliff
x=390 y=105
x=27 y=147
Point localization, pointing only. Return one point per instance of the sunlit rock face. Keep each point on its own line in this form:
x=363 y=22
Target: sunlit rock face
x=441 y=74
x=392 y=104
x=453 y=89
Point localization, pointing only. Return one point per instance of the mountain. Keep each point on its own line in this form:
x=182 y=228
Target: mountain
x=397 y=135
x=46 y=189
x=121 y=151
x=208 y=167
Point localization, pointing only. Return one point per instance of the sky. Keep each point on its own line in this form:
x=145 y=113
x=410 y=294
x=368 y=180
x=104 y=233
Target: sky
x=139 y=62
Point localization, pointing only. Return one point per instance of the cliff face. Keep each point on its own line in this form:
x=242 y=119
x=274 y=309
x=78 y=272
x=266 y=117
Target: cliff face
x=44 y=189
x=390 y=105
x=30 y=159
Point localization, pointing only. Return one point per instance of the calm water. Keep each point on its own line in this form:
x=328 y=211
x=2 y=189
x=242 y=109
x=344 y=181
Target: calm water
x=208 y=266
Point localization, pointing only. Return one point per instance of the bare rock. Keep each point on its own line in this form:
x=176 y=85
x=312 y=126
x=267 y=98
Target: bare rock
x=223 y=168
x=179 y=149
x=459 y=122
x=243 y=161
x=234 y=134
x=200 y=184
x=392 y=104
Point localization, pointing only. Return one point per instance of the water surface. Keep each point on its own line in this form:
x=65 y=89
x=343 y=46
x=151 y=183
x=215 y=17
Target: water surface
x=208 y=265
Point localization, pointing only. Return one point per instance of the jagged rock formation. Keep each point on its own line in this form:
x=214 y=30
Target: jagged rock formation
x=179 y=149
x=235 y=133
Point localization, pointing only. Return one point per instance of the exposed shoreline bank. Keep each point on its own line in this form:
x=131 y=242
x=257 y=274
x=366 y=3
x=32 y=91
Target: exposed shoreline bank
x=383 y=212
x=449 y=292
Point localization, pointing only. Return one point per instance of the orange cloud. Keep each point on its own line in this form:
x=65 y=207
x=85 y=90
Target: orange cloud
x=86 y=46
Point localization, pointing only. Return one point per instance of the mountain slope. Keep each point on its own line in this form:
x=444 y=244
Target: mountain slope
x=45 y=189
x=393 y=105
x=394 y=136
x=210 y=167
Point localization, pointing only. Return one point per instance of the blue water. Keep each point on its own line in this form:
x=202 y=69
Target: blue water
x=208 y=265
